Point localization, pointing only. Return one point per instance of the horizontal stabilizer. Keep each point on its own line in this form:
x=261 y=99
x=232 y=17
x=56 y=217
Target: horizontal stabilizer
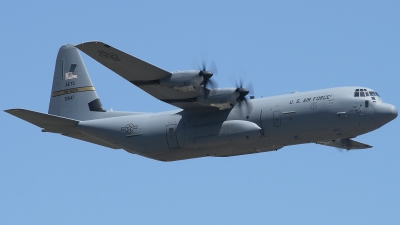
x=57 y=124
x=345 y=143
x=49 y=123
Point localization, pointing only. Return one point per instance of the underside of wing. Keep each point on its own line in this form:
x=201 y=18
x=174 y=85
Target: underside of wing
x=140 y=73
x=345 y=143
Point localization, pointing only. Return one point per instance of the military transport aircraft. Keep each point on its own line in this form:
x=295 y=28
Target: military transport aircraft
x=210 y=121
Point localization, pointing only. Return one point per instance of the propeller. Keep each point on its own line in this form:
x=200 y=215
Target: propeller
x=243 y=92
x=207 y=73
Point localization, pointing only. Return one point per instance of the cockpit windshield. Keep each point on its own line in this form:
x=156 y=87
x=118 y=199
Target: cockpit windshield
x=364 y=93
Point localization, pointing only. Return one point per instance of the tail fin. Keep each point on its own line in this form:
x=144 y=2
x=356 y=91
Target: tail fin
x=73 y=95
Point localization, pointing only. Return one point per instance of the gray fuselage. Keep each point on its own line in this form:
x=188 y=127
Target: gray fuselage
x=265 y=124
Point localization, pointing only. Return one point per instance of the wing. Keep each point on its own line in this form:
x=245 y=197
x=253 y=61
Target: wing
x=140 y=73
x=345 y=143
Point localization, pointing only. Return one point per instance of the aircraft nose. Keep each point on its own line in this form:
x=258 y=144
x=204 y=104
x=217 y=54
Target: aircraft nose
x=395 y=112
x=386 y=112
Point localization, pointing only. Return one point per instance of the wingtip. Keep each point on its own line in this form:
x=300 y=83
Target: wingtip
x=11 y=110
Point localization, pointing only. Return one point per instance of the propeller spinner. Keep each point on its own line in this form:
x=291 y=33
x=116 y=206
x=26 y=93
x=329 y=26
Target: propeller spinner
x=207 y=74
x=241 y=99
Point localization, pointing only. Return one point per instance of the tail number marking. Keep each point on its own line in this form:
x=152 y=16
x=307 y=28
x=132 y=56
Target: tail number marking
x=71 y=83
x=67 y=98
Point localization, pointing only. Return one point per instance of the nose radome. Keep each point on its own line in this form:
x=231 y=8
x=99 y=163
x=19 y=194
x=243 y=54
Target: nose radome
x=393 y=111
x=387 y=112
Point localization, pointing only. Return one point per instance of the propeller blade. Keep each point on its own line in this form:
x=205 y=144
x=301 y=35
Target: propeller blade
x=244 y=105
x=212 y=84
x=250 y=88
x=213 y=67
x=203 y=65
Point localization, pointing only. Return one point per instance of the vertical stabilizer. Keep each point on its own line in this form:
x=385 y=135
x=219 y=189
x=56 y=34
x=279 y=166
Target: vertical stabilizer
x=73 y=94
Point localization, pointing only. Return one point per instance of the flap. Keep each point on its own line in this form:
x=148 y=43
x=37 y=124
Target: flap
x=345 y=143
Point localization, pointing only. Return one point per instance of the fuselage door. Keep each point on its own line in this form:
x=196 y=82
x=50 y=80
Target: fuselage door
x=171 y=136
x=277 y=118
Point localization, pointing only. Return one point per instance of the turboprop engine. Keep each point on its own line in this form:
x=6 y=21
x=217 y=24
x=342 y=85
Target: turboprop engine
x=190 y=80
x=223 y=98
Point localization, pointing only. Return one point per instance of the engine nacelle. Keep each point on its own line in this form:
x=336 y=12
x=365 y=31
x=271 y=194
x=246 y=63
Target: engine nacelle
x=222 y=98
x=183 y=80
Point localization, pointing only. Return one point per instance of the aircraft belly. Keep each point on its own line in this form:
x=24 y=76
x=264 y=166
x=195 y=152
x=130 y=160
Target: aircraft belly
x=302 y=138
x=223 y=150
x=228 y=137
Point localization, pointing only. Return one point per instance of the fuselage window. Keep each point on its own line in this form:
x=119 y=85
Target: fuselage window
x=372 y=93
x=366 y=104
x=362 y=94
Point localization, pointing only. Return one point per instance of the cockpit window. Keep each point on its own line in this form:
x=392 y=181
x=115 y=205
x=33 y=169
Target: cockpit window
x=364 y=93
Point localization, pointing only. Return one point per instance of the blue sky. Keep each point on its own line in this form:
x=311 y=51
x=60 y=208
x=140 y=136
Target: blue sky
x=281 y=46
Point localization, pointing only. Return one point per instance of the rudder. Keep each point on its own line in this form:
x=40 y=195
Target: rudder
x=73 y=94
